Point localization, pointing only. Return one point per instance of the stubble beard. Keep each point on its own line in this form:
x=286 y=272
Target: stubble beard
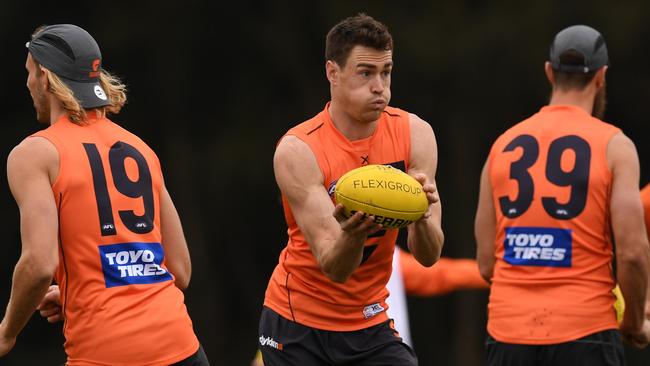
x=42 y=107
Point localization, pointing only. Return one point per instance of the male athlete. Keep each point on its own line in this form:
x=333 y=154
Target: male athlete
x=409 y=277
x=551 y=188
x=96 y=216
x=325 y=302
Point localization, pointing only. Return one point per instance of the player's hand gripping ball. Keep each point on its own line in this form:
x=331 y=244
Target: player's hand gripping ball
x=393 y=197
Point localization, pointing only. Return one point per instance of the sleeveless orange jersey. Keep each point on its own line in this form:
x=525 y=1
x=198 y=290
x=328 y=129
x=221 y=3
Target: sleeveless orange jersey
x=551 y=189
x=645 y=199
x=298 y=290
x=120 y=303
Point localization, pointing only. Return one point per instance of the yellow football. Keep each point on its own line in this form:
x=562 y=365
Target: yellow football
x=619 y=304
x=393 y=197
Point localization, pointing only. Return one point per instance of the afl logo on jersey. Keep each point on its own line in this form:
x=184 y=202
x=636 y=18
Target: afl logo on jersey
x=332 y=188
x=538 y=246
x=133 y=263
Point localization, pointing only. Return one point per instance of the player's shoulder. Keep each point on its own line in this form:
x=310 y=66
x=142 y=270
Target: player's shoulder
x=295 y=161
x=33 y=150
x=291 y=148
x=621 y=148
x=417 y=122
x=34 y=145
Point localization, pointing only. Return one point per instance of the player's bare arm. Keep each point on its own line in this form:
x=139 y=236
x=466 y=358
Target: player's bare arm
x=31 y=168
x=632 y=249
x=425 y=236
x=177 y=255
x=485 y=227
x=336 y=242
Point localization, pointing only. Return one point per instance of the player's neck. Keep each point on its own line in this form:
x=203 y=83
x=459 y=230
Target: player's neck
x=352 y=128
x=56 y=111
x=581 y=99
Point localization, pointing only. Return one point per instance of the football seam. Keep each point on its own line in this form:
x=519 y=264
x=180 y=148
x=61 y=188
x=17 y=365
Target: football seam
x=368 y=204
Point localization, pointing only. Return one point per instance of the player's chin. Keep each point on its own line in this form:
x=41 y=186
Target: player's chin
x=373 y=113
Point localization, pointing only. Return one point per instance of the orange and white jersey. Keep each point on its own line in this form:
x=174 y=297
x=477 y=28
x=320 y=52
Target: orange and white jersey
x=119 y=300
x=298 y=290
x=551 y=188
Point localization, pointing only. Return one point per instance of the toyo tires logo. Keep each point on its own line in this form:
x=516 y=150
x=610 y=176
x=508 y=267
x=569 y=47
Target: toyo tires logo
x=538 y=246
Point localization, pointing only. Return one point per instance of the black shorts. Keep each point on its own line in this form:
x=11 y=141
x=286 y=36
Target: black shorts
x=284 y=342
x=197 y=359
x=599 y=349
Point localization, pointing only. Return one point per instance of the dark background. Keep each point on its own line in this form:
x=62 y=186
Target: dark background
x=214 y=85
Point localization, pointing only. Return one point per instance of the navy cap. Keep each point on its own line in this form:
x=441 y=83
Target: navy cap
x=584 y=40
x=73 y=55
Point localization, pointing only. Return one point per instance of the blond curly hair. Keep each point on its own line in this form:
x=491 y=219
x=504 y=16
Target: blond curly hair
x=113 y=87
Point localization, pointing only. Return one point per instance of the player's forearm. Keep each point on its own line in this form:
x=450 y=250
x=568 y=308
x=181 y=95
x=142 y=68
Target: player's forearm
x=632 y=271
x=180 y=266
x=30 y=283
x=425 y=240
x=486 y=267
x=342 y=257
x=484 y=232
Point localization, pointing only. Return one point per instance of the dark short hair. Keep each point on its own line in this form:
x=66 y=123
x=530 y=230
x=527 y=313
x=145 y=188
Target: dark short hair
x=572 y=80
x=359 y=30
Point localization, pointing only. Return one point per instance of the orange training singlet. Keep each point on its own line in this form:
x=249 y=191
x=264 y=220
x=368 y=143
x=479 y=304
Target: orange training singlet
x=551 y=189
x=447 y=275
x=645 y=199
x=120 y=303
x=298 y=290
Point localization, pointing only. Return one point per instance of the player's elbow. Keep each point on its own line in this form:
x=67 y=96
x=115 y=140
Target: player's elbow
x=427 y=254
x=635 y=256
x=429 y=260
x=182 y=277
x=182 y=282
x=337 y=275
x=338 y=278
x=632 y=242
x=486 y=269
x=335 y=266
x=41 y=269
x=486 y=273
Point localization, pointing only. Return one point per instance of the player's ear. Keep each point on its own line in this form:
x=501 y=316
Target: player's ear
x=600 y=77
x=43 y=77
x=548 y=69
x=332 y=70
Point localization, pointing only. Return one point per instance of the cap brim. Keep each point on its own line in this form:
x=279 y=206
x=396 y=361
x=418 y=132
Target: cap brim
x=89 y=94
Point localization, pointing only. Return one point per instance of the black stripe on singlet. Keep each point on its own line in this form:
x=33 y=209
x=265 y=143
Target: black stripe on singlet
x=315 y=129
x=286 y=284
x=65 y=269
